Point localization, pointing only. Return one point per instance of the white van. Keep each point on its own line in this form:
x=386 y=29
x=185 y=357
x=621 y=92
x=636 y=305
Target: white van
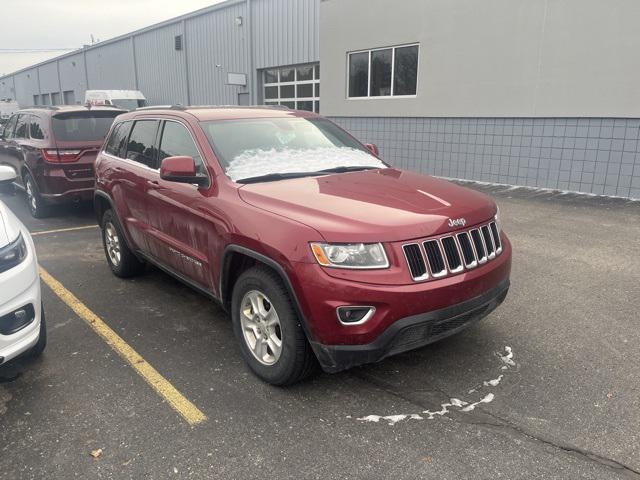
x=8 y=108
x=127 y=99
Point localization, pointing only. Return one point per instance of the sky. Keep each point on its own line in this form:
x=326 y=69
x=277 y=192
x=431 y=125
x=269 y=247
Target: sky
x=65 y=24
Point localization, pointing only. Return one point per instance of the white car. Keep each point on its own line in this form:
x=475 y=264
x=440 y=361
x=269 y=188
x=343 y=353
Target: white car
x=22 y=324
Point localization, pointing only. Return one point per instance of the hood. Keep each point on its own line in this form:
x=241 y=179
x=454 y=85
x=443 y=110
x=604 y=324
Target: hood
x=371 y=206
x=10 y=226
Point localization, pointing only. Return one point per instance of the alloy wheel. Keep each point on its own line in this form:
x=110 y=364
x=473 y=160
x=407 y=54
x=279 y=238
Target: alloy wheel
x=261 y=327
x=31 y=197
x=112 y=243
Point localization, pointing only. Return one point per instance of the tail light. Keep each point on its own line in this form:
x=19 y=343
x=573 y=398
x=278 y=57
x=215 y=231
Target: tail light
x=53 y=155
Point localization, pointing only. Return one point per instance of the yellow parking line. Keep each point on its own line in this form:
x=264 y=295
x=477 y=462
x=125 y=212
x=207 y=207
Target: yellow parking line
x=161 y=385
x=71 y=229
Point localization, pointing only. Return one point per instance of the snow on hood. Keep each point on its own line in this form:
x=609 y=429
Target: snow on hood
x=255 y=163
x=10 y=226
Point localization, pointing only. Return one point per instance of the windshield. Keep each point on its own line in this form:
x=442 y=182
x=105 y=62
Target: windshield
x=83 y=126
x=128 y=103
x=258 y=147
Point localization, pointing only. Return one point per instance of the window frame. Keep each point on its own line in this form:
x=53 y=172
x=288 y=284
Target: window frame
x=41 y=122
x=315 y=80
x=154 y=162
x=27 y=121
x=205 y=164
x=393 y=68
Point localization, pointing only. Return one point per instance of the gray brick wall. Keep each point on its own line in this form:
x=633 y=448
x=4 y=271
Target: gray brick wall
x=593 y=155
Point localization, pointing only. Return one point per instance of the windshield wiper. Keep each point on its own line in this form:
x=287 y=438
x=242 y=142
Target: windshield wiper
x=271 y=177
x=354 y=168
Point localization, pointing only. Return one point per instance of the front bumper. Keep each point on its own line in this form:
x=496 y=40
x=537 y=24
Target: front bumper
x=20 y=286
x=412 y=332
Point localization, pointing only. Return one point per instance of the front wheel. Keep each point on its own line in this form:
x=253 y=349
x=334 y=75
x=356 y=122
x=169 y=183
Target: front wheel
x=268 y=329
x=121 y=260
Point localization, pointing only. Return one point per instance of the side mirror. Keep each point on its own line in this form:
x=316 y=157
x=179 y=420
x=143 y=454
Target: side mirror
x=7 y=175
x=372 y=147
x=181 y=169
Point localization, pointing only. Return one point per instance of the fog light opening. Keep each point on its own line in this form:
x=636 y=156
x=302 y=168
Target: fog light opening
x=354 y=314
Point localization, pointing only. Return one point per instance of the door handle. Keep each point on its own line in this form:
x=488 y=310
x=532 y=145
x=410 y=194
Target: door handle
x=153 y=183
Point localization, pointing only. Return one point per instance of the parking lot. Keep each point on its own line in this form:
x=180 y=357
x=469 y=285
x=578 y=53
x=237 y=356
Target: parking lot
x=546 y=386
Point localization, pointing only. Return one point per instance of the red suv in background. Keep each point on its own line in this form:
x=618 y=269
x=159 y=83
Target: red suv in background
x=53 y=149
x=321 y=252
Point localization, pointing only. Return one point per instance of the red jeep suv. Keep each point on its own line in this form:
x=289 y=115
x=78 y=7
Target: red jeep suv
x=52 y=150
x=321 y=252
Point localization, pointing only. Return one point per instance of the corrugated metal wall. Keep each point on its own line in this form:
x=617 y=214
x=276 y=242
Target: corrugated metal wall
x=26 y=86
x=111 y=66
x=161 y=74
x=216 y=45
x=285 y=32
x=49 y=78
x=72 y=75
x=273 y=33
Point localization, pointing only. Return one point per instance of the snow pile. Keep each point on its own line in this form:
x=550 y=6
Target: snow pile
x=507 y=359
x=254 y=163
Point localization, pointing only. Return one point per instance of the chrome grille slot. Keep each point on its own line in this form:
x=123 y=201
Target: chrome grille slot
x=437 y=257
x=478 y=245
x=415 y=260
x=486 y=235
x=496 y=237
x=434 y=255
x=467 y=250
x=451 y=252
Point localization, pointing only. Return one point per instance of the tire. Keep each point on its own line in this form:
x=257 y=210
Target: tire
x=36 y=204
x=121 y=260
x=38 y=348
x=295 y=360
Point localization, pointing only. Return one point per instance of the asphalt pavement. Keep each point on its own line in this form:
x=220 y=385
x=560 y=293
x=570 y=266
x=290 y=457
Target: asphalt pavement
x=548 y=386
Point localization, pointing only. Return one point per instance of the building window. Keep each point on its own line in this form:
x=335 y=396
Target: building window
x=295 y=87
x=383 y=72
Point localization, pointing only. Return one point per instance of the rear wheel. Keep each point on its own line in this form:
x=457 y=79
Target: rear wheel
x=269 y=330
x=120 y=258
x=36 y=205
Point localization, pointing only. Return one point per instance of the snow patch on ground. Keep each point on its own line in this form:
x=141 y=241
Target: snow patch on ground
x=390 y=419
x=254 y=163
x=538 y=189
x=486 y=399
x=506 y=357
x=493 y=383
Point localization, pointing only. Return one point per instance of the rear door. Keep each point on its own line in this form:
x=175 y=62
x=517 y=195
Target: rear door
x=181 y=233
x=14 y=147
x=135 y=172
x=7 y=144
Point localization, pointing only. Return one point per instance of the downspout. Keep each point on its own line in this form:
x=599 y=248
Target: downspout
x=186 y=61
x=253 y=77
x=135 y=62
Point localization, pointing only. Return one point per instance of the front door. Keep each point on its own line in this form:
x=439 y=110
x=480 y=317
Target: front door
x=181 y=232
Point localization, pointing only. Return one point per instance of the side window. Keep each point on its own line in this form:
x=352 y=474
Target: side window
x=10 y=127
x=37 y=130
x=22 y=127
x=176 y=140
x=117 y=141
x=141 y=145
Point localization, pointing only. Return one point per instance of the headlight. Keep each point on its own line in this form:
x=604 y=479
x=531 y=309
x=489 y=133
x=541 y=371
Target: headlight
x=13 y=254
x=496 y=218
x=350 y=255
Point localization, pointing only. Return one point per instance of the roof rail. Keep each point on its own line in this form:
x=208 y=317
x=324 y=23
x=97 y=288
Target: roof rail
x=41 y=107
x=162 y=107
